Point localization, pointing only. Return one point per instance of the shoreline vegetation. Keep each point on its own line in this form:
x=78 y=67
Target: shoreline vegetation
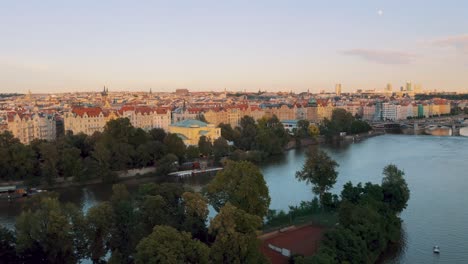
x=167 y=222
x=359 y=224
x=114 y=155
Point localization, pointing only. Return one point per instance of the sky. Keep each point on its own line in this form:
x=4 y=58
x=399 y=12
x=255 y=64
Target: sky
x=60 y=46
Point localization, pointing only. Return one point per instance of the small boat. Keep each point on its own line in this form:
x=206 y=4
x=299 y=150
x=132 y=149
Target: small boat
x=436 y=250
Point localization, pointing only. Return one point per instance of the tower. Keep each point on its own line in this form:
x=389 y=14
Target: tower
x=409 y=87
x=338 y=89
x=388 y=88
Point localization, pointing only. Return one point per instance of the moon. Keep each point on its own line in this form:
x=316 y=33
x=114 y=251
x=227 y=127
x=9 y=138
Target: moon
x=380 y=12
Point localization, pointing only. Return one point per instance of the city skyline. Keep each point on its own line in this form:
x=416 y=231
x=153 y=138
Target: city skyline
x=53 y=47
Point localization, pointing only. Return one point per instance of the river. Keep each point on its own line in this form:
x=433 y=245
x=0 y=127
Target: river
x=436 y=171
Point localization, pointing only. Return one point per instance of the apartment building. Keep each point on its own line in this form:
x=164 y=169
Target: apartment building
x=86 y=120
x=147 y=118
x=27 y=127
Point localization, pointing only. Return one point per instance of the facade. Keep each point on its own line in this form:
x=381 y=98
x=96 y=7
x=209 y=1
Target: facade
x=389 y=111
x=368 y=111
x=27 y=127
x=290 y=125
x=190 y=131
x=147 y=118
x=338 y=89
x=86 y=120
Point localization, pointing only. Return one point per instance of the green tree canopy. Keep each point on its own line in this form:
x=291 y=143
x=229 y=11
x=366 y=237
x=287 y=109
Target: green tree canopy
x=205 y=146
x=235 y=237
x=242 y=184
x=318 y=170
x=167 y=245
x=395 y=188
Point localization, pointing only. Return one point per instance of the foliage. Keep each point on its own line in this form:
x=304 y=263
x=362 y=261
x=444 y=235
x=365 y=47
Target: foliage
x=343 y=121
x=320 y=171
x=271 y=136
x=241 y=184
x=205 y=146
x=395 y=189
x=167 y=245
x=220 y=148
x=192 y=152
x=248 y=133
x=368 y=220
x=7 y=246
x=235 y=237
x=175 y=145
x=314 y=131
x=228 y=132
x=47 y=233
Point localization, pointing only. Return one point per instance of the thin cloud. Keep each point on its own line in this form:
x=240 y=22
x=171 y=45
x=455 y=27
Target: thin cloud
x=381 y=56
x=459 y=42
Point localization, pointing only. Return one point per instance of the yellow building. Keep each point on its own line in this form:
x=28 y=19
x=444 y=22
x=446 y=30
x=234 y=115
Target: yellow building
x=191 y=130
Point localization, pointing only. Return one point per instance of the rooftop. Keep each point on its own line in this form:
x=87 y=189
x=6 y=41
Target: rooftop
x=190 y=123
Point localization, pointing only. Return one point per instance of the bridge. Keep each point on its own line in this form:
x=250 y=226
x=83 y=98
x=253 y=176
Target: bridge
x=453 y=122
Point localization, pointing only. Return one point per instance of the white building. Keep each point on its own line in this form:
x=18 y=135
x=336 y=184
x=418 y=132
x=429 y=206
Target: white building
x=389 y=111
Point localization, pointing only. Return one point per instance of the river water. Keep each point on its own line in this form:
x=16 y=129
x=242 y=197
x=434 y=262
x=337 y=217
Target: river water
x=436 y=171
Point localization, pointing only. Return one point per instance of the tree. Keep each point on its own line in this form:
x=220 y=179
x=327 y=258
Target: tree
x=318 y=170
x=248 y=133
x=71 y=164
x=205 y=146
x=46 y=234
x=7 y=246
x=196 y=213
x=228 y=132
x=99 y=220
x=167 y=245
x=192 y=152
x=158 y=134
x=302 y=129
x=241 y=184
x=314 y=131
x=271 y=136
x=166 y=165
x=123 y=228
x=175 y=145
x=395 y=188
x=235 y=237
x=220 y=148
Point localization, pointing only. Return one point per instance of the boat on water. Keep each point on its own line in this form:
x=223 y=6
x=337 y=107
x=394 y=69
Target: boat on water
x=14 y=192
x=436 y=250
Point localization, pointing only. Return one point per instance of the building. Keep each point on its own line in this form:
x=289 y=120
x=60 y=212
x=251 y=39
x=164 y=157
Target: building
x=338 y=89
x=182 y=92
x=147 y=118
x=190 y=131
x=389 y=111
x=389 y=89
x=368 y=111
x=290 y=125
x=86 y=120
x=27 y=127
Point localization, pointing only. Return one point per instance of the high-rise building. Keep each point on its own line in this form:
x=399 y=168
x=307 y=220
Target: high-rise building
x=389 y=88
x=338 y=89
x=409 y=87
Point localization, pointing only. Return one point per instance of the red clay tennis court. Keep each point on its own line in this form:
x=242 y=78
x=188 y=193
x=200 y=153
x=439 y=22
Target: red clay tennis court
x=302 y=240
